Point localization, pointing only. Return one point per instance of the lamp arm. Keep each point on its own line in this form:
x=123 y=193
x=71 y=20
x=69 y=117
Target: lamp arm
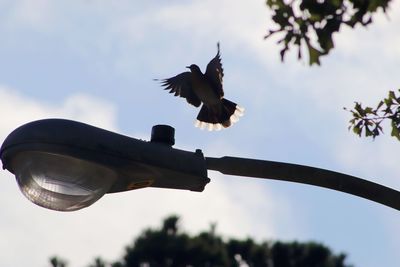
x=306 y=175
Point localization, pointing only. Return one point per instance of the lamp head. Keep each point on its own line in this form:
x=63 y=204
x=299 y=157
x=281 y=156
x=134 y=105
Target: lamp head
x=66 y=165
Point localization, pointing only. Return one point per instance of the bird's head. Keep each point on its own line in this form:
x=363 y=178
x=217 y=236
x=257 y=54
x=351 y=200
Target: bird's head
x=194 y=68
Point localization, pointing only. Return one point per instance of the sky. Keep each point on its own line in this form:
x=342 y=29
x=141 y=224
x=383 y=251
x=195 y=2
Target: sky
x=95 y=61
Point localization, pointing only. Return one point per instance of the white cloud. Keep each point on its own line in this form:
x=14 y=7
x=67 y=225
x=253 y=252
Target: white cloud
x=244 y=25
x=19 y=109
x=35 y=15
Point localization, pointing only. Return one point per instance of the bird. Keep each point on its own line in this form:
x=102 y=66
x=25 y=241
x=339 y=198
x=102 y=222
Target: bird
x=205 y=90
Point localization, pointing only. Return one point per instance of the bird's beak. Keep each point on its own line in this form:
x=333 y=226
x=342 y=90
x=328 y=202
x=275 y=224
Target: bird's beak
x=188 y=67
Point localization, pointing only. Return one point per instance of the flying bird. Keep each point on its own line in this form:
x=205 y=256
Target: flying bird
x=206 y=89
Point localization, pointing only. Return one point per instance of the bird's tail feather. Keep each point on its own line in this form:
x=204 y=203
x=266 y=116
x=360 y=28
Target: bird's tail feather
x=220 y=116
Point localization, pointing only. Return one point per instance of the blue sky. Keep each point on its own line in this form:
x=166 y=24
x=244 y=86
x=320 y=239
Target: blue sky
x=95 y=61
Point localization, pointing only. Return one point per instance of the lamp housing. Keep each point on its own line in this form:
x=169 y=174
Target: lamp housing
x=67 y=165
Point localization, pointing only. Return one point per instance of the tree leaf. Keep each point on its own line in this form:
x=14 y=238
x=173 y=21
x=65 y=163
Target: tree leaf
x=314 y=55
x=395 y=131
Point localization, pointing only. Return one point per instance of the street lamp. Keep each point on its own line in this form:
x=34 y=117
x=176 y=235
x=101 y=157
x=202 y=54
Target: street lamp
x=66 y=165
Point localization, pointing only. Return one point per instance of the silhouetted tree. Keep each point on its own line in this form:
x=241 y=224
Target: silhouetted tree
x=309 y=25
x=98 y=262
x=57 y=262
x=312 y=23
x=366 y=121
x=169 y=246
x=309 y=254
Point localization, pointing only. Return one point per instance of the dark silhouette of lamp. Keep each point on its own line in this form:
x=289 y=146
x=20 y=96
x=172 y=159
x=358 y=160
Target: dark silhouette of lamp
x=66 y=165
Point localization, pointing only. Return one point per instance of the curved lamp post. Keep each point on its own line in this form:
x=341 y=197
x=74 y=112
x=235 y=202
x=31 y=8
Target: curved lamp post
x=66 y=165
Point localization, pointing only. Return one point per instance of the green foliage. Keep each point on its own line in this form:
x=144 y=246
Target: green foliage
x=367 y=121
x=309 y=25
x=161 y=248
x=309 y=254
x=57 y=262
x=98 y=262
x=313 y=22
x=169 y=246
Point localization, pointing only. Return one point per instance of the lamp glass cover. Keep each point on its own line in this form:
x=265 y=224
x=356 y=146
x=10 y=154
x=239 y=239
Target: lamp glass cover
x=61 y=182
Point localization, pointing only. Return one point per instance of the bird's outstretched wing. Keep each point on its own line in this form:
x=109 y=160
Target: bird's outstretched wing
x=215 y=73
x=181 y=85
